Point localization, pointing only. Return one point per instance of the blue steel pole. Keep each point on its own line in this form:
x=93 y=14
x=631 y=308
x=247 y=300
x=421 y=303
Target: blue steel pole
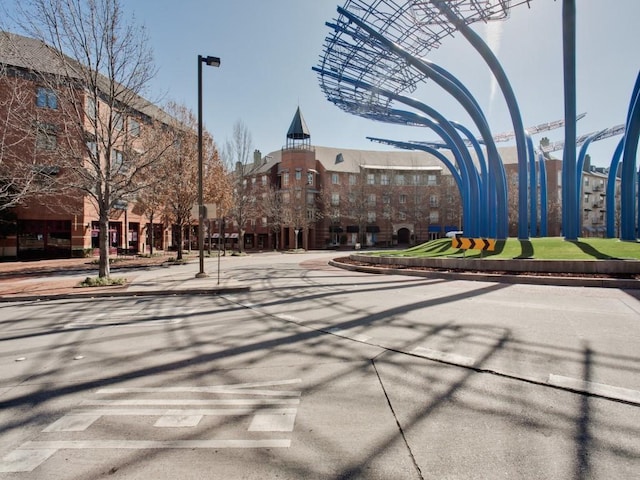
x=512 y=105
x=569 y=173
x=629 y=177
x=611 y=189
x=543 y=196
x=533 y=190
x=579 y=172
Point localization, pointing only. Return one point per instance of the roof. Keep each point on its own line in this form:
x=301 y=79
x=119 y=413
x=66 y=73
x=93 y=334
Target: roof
x=35 y=55
x=298 y=129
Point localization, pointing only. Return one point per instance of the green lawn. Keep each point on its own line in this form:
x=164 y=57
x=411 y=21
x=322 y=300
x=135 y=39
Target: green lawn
x=549 y=248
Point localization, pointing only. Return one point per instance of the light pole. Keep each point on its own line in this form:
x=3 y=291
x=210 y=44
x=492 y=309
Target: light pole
x=212 y=62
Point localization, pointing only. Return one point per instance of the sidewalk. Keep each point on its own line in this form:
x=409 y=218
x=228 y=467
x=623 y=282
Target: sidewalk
x=47 y=279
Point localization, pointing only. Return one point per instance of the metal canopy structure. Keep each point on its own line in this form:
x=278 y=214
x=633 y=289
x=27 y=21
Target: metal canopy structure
x=375 y=56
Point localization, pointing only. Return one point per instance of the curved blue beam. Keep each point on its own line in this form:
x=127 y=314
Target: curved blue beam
x=533 y=187
x=510 y=98
x=543 y=196
x=487 y=212
x=629 y=175
x=426 y=148
x=469 y=105
x=471 y=202
x=579 y=172
x=611 y=189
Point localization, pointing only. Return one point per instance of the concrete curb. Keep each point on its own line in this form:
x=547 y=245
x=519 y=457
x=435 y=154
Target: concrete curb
x=124 y=293
x=493 y=277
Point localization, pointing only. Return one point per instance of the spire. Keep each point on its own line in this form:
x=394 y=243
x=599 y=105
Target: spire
x=298 y=134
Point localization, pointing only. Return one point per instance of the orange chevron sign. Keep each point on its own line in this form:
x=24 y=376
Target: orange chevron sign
x=473 y=243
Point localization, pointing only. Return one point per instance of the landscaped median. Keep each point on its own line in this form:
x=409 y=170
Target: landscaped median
x=588 y=262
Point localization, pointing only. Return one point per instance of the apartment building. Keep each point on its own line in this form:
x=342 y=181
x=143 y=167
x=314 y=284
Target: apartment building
x=66 y=224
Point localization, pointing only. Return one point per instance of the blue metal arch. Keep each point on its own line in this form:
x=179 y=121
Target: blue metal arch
x=629 y=176
x=579 y=172
x=533 y=190
x=470 y=178
x=611 y=189
x=512 y=105
x=452 y=87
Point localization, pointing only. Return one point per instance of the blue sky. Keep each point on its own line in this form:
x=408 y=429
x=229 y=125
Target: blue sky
x=268 y=47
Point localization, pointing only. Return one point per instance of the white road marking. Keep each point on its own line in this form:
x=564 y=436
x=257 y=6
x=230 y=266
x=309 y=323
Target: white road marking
x=72 y=423
x=146 y=412
x=178 y=421
x=25 y=460
x=444 y=356
x=151 y=444
x=222 y=401
x=601 y=389
x=272 y=423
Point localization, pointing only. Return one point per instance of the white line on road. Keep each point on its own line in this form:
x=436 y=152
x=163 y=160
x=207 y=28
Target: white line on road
x=272 y=423
x=359 y=337
x=102 y=412
x=24 y=460
x=154 y=444
x=444 y=356
x=221 y=401
x=601 y=389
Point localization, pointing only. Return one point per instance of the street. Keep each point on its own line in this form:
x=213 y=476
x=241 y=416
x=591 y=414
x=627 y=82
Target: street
x=321 y=373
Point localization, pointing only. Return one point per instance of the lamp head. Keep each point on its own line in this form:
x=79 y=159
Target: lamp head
x=212 y=61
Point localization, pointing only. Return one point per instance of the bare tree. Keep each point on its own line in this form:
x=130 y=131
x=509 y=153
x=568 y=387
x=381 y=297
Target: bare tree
x=238 y=157
x=100 y=64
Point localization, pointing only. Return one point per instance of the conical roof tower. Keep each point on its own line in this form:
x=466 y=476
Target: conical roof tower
x=298 y=135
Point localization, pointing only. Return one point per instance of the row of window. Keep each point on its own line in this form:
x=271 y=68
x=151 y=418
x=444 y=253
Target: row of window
x=48 y=98
x=386 y=179
x=386 y=199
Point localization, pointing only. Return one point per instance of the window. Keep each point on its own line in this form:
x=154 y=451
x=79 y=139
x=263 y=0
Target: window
x=91 y=109
x=400 y=180
x=403 y=199
x=386 y=199
x=371 y=217
x=253 y=181
x=92 y=147
x=432 y=180
x=352 y=180
x=384 y=179
x=371 y=179
x=402 y=216
x=298 y=194
x=118 y=122
x=586 y=181
x=335 y=179
x=433 y=201
x=285 y=197
x=298 y=174
x=285 y=179
x=264 y=221
x=117 y=160
x=434 y=216
x=309 y=178
x=134 y=127
x=416 y=179
x=46 y=137
x=311 y=198
x=46 y=98
x=371 y=200
x=335 y=199
x=264 y=180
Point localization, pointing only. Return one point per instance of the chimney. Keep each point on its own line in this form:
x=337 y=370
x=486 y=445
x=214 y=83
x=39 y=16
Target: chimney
x=257 y=156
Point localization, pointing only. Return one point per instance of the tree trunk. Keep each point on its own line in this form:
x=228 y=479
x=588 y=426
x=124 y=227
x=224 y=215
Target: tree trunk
x=180 y=242
x=151 y=235
x=103 y=269
x=241 y=240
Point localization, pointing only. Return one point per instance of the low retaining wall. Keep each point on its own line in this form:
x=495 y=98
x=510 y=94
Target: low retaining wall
x=609 y=267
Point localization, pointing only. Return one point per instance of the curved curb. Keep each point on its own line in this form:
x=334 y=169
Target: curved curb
x=496 y=277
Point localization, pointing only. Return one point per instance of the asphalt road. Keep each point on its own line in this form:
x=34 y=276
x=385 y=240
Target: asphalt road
x=319 y=373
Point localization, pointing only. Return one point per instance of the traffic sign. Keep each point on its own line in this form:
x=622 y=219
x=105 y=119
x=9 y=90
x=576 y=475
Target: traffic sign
x=473 y=243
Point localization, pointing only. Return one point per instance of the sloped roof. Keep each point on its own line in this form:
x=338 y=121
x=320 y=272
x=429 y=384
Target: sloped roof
x=35 y=55
x=298 y=129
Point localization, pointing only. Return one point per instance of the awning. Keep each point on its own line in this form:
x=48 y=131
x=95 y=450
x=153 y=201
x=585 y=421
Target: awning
x=353 y=229
x=434 y=229
x=335 y=229
x=373 y=229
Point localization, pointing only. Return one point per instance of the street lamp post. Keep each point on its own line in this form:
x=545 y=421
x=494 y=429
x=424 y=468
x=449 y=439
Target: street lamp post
x=212 y=62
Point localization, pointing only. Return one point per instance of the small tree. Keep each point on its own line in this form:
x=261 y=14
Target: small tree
x=237 y=155
x=101 y=65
